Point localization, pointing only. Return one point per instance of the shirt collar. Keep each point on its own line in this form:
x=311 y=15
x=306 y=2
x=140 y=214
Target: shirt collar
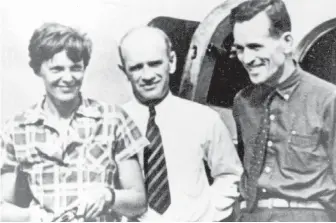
x=160 y=106
x=286 y=88
x=87 y=108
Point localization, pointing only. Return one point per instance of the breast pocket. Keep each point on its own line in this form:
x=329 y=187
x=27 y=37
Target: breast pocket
x=304 y=155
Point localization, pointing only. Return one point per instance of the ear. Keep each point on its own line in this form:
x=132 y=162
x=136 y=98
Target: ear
x=172 y=62
x=287 y=42
x=123 y=70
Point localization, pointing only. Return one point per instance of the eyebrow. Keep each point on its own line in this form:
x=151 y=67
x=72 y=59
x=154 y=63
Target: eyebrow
x=136 y=66
x=254 y=45
x=77 y=66
x=155 y=62
x=57 y=67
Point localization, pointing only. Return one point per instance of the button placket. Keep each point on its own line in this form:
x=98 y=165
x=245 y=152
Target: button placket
x=262 y=143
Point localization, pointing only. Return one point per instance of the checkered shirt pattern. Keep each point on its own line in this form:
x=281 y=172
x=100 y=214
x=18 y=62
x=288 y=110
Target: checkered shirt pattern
x=59 y=171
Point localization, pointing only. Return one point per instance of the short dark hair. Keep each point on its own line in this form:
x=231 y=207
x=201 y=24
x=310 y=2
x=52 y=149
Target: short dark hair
x=275 y=9
x=52 y=38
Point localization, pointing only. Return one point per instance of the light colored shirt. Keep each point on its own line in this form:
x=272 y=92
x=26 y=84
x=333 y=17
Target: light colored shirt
x=191 y=133
x=60 y=170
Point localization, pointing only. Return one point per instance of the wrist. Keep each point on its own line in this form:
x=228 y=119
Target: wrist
x=109 y=199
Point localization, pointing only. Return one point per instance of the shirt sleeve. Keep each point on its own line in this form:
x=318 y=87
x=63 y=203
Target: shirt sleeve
x=8 y=161
x=226 y=168
x=329 y=131
x=129 y=140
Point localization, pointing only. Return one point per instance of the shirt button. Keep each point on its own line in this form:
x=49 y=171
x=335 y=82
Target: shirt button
x=263 y=190
x=272 y=117
x=269 y=143
x=268 y=169
x=286 y=96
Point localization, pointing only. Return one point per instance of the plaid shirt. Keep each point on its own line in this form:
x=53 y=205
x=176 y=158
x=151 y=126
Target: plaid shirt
x=60 y=169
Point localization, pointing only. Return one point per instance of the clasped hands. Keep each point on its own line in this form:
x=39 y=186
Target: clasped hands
x=92 y=204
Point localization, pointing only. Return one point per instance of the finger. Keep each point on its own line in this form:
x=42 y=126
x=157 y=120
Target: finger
x=81 y=209
x=92 y=212
x=97 y=209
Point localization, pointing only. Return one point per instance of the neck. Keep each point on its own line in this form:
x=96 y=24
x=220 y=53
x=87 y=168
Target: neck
x=282 y=74
x=152 y=102
x=61 y=109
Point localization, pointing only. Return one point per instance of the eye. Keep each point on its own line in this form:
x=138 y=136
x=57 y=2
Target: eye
x=77 y=68
x=56 y=69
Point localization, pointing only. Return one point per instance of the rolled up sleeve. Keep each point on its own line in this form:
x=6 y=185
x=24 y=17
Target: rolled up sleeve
x=8 y=162
x=226 y=169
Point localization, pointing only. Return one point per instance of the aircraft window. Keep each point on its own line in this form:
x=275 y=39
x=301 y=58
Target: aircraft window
x=228 y=78
x=320 y=59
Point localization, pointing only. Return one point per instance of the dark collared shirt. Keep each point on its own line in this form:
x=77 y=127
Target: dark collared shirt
x=300 y=160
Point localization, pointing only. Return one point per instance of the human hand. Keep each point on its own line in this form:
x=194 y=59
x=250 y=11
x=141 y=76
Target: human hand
x=93 y=203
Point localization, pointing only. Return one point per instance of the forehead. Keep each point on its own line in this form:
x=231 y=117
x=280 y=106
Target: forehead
x=62 y=59
x=253 y=30
x=142 y=47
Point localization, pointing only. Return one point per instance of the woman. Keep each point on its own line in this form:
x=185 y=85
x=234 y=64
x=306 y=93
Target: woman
x=76 y=154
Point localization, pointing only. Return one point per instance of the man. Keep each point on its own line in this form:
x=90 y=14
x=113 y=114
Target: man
x=75 y=156
x=182 y=134
x=286 y=122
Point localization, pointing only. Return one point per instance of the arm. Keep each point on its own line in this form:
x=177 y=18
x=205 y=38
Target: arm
x=13 y=198
x=131 y=200
x=329 y=134
x=9 y=210
x=225 y=166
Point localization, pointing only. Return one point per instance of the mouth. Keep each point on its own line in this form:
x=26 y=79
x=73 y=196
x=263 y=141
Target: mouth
x=253 y=70
x=67 y=88
x=149 y=87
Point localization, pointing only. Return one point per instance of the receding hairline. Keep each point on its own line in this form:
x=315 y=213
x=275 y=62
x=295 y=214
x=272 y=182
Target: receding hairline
x=145 y=30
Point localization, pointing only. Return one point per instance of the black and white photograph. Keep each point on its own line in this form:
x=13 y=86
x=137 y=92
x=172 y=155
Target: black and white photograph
x=168 y=111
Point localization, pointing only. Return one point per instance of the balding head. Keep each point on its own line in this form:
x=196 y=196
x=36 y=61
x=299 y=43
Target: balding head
x=146 y=36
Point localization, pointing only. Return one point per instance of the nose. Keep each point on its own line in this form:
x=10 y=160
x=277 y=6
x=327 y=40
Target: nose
x=68 y=76
x=148 y=73
x=248 y=57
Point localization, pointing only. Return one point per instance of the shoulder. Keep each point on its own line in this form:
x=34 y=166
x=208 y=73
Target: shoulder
x=245 y=93
x=316 y=82
x=195 y=110
x=105 y=109
x=20 y=118
x=129 y=106
x=244 y=96
x=317 y=86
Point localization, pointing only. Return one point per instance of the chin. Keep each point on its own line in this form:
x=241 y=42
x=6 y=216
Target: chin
x=66 y=98
x=257 y=79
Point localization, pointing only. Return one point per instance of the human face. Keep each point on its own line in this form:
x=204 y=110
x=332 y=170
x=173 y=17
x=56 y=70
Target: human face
x=148 y=65
x=262 y=55
x=62 y=77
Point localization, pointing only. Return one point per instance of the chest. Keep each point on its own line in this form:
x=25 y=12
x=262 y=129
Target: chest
x=82 y=153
